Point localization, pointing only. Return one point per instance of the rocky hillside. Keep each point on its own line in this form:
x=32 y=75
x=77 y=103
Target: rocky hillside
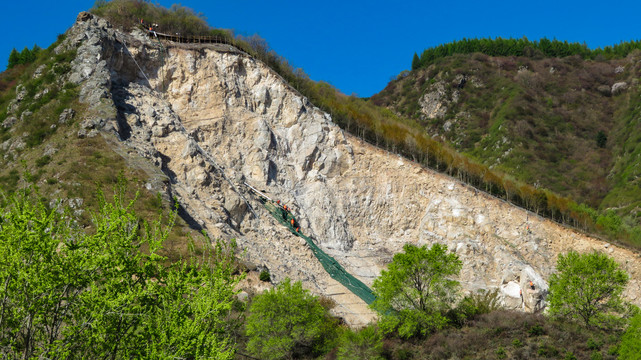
x=566 y=124
x=200 y=120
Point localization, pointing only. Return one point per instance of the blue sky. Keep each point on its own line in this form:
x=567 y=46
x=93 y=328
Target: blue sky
x=358 y=45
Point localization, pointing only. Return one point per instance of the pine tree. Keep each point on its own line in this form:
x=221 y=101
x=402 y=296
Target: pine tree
x=26 y=56
x=14 y=58
x=416 y=62
x=35 y=50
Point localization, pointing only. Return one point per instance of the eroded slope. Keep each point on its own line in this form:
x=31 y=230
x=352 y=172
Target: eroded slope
x=212 y=117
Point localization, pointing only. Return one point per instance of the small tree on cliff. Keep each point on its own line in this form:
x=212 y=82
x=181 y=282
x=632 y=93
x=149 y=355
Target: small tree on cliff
x=416 y=290
x=588 y=288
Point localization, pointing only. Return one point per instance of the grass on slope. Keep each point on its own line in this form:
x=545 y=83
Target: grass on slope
x=554 y=124
x=39 y=149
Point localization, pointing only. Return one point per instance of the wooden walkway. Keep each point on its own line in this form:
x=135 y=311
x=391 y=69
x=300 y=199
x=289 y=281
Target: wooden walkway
x=190 y=39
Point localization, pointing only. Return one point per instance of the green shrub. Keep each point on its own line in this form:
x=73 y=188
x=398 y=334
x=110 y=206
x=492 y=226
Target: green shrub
x=40 y=162
x=37 y=136
x=26 y=56
x=593 y=345
x=364 y=344
x=517 y=343
x=264 y=276
x=475 y=304
x=536 y=330
x=415 y=292
x=614 y=350
x=596 y=355
x=547 y=351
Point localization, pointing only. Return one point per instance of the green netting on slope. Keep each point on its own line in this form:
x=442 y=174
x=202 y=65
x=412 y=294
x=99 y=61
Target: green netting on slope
x=333 y=268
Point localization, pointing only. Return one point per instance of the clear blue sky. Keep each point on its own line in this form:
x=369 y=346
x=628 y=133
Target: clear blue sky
x=358 y=45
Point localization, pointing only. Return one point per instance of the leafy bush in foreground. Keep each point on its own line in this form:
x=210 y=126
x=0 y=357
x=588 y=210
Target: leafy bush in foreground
x=66 y=293
x=287 y=321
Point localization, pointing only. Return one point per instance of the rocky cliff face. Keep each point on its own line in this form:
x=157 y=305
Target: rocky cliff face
x=211 y=117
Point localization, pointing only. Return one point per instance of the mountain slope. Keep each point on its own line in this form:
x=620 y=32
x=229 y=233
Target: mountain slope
x=199 y=120
x=565 y=124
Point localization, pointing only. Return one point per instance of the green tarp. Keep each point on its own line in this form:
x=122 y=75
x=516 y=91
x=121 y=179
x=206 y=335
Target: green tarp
x=333 y=268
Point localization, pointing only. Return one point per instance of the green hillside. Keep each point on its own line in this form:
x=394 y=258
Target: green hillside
x=566 y=124
x=101 y=280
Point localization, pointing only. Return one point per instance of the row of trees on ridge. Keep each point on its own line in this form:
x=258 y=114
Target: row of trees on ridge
x=522 y=47
x=25 y=56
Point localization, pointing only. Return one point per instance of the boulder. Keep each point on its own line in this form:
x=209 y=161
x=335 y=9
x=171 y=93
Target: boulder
x=9 y=122
x=605 y=90
x=534 y=290
x=619 y=87
x=66 y=116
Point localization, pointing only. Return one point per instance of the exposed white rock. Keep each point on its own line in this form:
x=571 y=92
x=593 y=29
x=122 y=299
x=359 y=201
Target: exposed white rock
x=619 y=87
x=434 y=102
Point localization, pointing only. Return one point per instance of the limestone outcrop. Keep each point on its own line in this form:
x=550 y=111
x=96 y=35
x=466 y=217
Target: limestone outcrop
x=211 y=118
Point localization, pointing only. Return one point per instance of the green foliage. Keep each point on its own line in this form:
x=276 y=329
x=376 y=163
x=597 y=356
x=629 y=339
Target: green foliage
x=66 y=293
x=364 y=344
x=475 y=304
x=416 y=62
x=177 y=19
x=594 y=344
x=569 y=355
x=517 y=343
x=264 y=276
x=548 y=351
x=14 y=58
x=26 y=56
x=630 y=347
x=536 y=330
x=587 y=287
x=416 y=290
x=287 y=321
